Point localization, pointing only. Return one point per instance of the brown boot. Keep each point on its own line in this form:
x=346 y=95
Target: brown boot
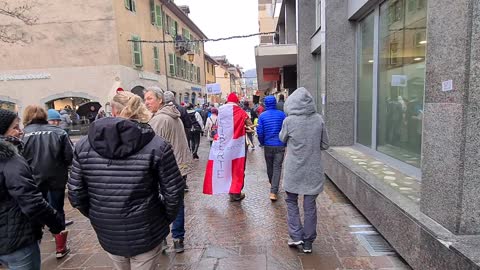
x=61 y=244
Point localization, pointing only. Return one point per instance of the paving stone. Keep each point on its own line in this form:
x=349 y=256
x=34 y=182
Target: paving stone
x=251 y=234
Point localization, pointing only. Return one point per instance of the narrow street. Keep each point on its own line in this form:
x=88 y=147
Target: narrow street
x=247 y=235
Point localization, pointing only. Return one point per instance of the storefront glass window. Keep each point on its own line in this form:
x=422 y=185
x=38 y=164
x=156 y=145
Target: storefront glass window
x=365 y=81
x=402 y=42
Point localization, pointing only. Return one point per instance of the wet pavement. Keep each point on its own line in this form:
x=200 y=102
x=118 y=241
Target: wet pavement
x=251 y=234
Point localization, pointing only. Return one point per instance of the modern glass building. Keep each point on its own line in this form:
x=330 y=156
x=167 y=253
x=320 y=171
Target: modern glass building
x=397 y=82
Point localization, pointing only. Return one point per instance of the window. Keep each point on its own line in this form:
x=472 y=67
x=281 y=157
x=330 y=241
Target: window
x=158 y=16
x=187 y=72
x=171 y=61
x=130 y=5
x=186 y=34
x=156 y=61
x=168 y=25
x=192 y=72
x=184 y=67
x=391 y=80
x=173 y=28
x=198 y=75
x=318 y=11
x=137 y=51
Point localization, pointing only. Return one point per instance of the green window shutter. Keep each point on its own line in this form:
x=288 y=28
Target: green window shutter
x=192 y=72
x=137 y=51
x=127 y=4
x=199 y=77
x=172 y=27
x=134 y=8
x=171 y=61
x=175 y=30
x=158 y=12
x=156 y=60
x=152 y=12
x=178 y=65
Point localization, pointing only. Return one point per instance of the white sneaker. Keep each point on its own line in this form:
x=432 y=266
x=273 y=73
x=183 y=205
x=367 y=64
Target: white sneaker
x=292 y=243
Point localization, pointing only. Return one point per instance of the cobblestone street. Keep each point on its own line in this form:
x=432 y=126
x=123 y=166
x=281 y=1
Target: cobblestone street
x=251 y=234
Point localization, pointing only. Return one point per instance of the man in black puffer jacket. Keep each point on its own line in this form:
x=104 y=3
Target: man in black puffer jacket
x=126 y=181
x=22 y=208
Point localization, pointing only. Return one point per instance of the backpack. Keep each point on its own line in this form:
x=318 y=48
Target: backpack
x=214 y=128
x=195 y=125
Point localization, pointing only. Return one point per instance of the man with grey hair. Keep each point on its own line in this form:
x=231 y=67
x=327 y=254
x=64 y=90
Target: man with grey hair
x=167 y=124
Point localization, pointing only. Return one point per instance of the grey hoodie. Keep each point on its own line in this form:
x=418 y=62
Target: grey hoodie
x=305 y=135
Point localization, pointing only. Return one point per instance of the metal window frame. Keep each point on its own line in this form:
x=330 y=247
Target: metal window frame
x=372 y=150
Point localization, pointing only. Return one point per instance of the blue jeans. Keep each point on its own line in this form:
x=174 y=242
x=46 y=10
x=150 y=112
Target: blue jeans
x=56 y=199
x=178 y=226
x=27 y=258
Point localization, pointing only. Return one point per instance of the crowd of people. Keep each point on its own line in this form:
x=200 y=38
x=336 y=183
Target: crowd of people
x=128 y=176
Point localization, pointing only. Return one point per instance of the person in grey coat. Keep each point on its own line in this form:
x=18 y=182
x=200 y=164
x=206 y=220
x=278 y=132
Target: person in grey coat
x=305 y=134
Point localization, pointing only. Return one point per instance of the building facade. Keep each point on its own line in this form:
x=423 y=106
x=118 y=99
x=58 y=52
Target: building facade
x=397 y=82
x=88 y=54
x=229 y=76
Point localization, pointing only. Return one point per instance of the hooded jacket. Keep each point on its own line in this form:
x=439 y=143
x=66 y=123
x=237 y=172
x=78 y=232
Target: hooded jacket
x=22 y=207
x=125 y=180
x=305 y=134
x=167 y=124
x=65 y=120
x=270 y=123
x=49 y=152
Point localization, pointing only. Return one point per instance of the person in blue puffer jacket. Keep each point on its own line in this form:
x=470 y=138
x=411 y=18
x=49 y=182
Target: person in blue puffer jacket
x=268 y=130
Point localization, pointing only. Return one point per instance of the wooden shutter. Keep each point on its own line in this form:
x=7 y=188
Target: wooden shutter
x=152 y=12
x=198 y=74
x=156 y=61
x=171 y=61
x=158 y=12
x=137 y=51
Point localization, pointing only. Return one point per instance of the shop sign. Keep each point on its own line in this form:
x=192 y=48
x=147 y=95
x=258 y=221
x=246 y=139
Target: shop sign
x=196 y=89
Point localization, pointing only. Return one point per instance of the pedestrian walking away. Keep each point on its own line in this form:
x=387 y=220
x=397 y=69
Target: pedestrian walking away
x=232 y=123
x=197 y=128
x=126 y=181
x=49 y=152
x=167 y=124
x=305 y=134
x=211 y=127
x=268 y=130
x=281 y=102
x=23 y=210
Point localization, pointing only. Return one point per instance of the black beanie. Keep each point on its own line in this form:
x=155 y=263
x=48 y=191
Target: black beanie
x=6 y=119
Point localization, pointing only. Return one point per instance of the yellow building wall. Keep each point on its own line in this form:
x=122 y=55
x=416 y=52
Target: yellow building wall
x=138 y=23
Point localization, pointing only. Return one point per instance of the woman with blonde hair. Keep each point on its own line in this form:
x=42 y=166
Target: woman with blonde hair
x=126 y=181
x=49 y=152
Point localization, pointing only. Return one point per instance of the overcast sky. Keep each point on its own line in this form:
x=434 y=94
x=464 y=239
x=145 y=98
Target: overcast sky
x=223 y=18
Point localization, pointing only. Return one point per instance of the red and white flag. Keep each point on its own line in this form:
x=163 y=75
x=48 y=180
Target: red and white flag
x=226 y=163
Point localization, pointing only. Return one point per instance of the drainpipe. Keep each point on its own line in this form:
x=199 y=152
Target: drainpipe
x=167 y=67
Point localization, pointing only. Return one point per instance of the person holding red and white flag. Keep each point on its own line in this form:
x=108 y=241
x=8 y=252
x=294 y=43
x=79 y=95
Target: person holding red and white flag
x=225 y=171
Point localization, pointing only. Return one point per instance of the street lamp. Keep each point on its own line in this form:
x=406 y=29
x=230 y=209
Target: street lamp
x=225 y=75
x=191 y=56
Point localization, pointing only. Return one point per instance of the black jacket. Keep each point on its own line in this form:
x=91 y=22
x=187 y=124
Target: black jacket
x=126 y=180
x=49 y=152
x=22 y=207
x=187 y=123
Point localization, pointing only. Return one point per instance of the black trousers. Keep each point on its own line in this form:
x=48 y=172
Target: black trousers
x=274 y=159
x=194 y=141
